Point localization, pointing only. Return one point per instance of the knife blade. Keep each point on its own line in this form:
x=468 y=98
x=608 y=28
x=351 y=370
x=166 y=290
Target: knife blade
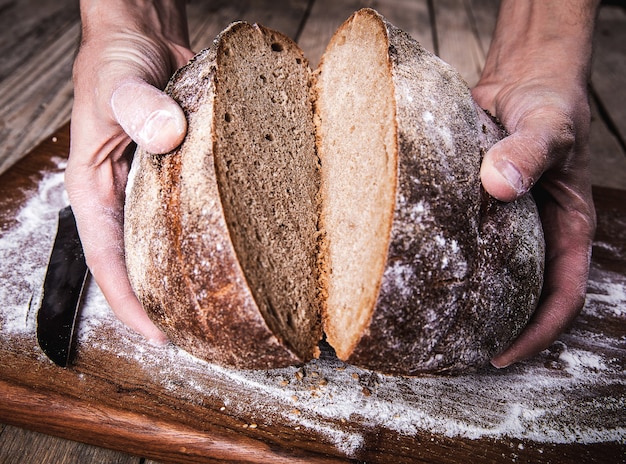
x=62 y=290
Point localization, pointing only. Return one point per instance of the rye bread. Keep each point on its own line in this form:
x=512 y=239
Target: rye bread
x=411 y=265
x=425 y=272
x=221 y=234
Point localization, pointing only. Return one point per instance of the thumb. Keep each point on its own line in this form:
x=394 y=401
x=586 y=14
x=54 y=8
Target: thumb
x=150 y=117
x=511 y=167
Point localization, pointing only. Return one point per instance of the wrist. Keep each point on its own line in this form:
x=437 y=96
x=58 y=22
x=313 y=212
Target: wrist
x=542 y=38
x=165 y=18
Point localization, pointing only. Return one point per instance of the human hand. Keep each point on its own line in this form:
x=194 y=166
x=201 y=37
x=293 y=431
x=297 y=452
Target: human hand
x=536 y=84
x=128 y=52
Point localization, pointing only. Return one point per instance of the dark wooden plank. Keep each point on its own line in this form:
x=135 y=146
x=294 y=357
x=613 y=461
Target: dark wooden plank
x=608 y=160
x=482 y=16
x=39 y=40
x=25 y=447
x=207 y=19
x=458 y=40
x=609 y=66
x=96 y=422
x=324 y=19
x=28 y=27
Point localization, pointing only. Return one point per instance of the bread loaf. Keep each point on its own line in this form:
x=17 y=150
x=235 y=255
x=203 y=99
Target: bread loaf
x=242 y=240
x=424 y=271
x=221 y=234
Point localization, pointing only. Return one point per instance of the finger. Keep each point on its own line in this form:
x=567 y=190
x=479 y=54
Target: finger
x=110 y=272
x=99 y=218
x=105 y=256
x=545 y=327
x=539 y=139
x=557 y=311
x=513 y=165
x=150 y=117
x=569 y=231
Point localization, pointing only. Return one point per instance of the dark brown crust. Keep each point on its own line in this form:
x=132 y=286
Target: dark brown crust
x=180 y=257
x=464 y=271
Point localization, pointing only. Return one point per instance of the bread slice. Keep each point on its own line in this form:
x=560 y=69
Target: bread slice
x=242 y=240
x=221 y=234
x=424 y=271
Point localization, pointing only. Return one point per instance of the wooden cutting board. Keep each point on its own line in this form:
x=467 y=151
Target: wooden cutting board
x=568 y=404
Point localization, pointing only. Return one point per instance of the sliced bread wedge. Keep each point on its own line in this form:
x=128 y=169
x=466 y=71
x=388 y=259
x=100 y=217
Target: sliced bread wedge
x=221 y=234
x=424 y=271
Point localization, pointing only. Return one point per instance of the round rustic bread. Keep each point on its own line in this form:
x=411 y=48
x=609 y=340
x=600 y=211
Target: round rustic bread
x=221 y=234
x=236 y=249
x=424 y=272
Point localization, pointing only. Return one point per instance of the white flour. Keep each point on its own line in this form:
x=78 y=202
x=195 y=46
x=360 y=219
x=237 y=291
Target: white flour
x=24 y=252
x=572 y=393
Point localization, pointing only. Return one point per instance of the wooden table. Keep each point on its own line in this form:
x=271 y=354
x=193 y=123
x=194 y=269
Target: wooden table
x=38 y=42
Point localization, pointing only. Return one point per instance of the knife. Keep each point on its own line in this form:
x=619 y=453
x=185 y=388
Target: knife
x=62 y=290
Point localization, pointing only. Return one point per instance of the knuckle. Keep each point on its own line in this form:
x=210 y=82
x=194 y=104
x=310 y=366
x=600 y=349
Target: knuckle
x=564 y=130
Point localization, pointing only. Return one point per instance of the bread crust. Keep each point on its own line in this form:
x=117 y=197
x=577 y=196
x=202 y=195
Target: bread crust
x=462 y=274
x=464 y=271
x=180 y=257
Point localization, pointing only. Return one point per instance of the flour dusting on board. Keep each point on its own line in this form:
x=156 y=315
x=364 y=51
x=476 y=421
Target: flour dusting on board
x=546 y=400
x=531 y=401
x=24 y=264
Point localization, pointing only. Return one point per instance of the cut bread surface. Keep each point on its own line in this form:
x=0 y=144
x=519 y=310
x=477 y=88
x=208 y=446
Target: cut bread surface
x=356 y=133
x=268 y=177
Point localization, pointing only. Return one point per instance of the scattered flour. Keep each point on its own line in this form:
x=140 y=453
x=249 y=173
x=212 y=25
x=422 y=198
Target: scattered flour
x=528 y=402
x=571 y=393
x=606 y=294
x=24 y=252
x=579 y=362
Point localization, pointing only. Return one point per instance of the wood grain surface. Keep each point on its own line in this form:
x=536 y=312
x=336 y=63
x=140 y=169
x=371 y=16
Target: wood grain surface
x=38 y=40
x=123 y=394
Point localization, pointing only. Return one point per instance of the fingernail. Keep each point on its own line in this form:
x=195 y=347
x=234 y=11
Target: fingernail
x=498 y=365
x=158 y=122
x=511 y=174
x=159 y=341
